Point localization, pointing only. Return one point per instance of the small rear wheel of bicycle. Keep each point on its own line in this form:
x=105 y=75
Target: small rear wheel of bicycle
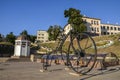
x=54 y=57
x=110 y=59
x=82 y=53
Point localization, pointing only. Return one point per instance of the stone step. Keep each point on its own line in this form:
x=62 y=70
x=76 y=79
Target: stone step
x=19 y=60
x=15 y=59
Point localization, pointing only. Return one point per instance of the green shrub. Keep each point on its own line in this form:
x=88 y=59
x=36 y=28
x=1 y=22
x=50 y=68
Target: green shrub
x=6 y=49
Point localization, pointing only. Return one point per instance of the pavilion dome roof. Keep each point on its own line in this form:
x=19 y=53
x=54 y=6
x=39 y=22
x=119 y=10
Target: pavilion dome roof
x=22 y=37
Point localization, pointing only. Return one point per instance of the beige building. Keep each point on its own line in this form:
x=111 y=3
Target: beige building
x=42 y=36
x=95 y=26
x=108 y=29
x=67 y=28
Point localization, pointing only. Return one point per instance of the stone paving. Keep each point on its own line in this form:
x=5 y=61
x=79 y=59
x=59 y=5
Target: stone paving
x=31 y=71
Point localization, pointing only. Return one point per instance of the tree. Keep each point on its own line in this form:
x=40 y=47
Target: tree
x=29 y=37
x=32 y=38
x=0 y=37
x=54 y=32
x=50 y=33
x=11 y=38
x=75 y=19
x=24 y=32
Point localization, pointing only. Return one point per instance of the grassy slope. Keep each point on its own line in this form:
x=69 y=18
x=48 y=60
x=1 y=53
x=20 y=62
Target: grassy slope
x=5 y=43
x=115 y=48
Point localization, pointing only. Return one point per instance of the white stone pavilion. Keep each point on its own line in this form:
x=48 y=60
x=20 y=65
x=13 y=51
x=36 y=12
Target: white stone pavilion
x=22 y=47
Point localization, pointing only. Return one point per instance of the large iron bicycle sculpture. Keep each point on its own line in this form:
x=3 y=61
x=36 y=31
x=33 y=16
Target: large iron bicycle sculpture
x=80 y=55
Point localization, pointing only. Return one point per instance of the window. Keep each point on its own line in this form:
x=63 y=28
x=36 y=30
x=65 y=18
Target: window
x=107 y=27
x=115 y=28
x=119 y=29
x=104 y=33
x=28 y=43
x=23 y=44
x=103 y=27
x=97 y=23
x=97 y=29
x=42 y=34
x=18 y=43
x=94 y=22
x=92 y=28
x=38 y=37
x=111 y=28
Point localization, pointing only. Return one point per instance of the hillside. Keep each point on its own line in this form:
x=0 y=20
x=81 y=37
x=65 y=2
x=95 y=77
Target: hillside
x=100 y=42
x=115 y=47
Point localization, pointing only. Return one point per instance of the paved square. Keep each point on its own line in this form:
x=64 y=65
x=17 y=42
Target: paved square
x=31 y=71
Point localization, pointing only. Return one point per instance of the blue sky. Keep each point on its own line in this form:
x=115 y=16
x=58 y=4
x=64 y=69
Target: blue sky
x=33 y=15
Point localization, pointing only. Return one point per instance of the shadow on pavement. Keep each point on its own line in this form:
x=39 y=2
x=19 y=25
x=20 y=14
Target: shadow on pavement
x=109 y=71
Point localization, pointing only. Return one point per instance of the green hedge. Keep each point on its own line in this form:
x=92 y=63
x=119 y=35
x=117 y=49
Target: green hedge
x=6 y=49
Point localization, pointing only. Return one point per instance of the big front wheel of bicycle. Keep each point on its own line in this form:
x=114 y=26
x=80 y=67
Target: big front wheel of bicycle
x=82 y=53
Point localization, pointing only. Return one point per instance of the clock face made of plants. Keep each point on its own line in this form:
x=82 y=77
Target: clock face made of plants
x=104 y=44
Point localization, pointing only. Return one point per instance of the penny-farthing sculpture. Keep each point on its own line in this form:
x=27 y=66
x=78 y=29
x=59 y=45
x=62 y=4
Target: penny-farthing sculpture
x=80 y=54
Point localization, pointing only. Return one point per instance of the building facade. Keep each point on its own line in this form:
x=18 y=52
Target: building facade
x=95 y=26
x=42 y=36
x=109 y=29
